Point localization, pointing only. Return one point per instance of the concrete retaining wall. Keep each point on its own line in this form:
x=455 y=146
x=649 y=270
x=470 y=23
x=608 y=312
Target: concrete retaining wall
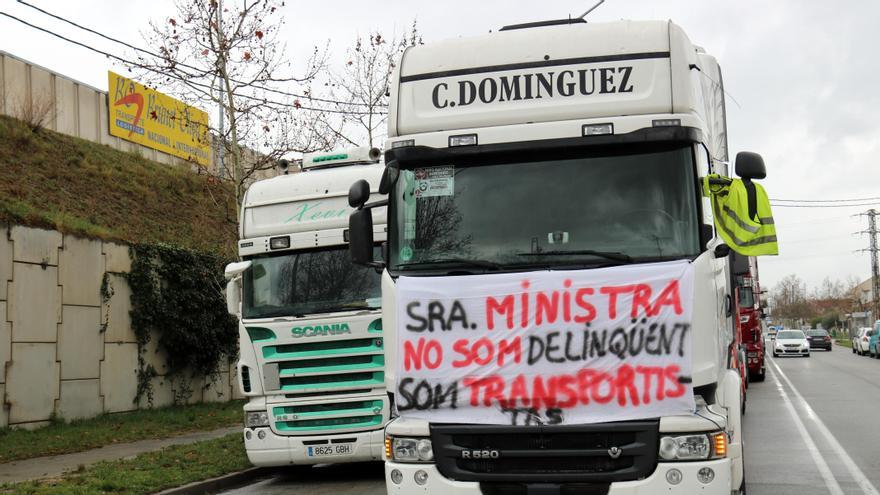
x=63 y=350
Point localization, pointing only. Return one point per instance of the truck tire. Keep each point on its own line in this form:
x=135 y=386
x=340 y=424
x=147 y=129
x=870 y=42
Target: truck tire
x=854 y=350
x=742 y=486
x=759 y=377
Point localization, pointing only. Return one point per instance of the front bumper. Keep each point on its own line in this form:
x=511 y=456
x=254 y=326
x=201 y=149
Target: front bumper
x=791 y=352
x=281 y=450
x=653 y=484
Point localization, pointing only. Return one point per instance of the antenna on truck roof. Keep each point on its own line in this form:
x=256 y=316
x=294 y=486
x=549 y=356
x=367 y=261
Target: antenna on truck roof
x=600 y=2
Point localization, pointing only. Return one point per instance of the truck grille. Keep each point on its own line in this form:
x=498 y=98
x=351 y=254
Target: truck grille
x=570 y=453
x=348 y=415
x=334 y=366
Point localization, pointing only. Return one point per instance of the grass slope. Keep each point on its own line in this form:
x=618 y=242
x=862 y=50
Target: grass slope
x=146 y=473
x=86 y=434
x=55 y=181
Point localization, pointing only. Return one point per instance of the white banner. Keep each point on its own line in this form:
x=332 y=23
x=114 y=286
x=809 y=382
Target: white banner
x=550 y=347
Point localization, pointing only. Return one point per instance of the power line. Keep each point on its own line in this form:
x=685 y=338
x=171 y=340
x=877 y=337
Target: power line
x=152 y=54
x=825 y=200
x=777 y=205
x=201 y=85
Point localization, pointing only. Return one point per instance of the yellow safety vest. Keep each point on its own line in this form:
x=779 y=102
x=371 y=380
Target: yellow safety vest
x=747 y=228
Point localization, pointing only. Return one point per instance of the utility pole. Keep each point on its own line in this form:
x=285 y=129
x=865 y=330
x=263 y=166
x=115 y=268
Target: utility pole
x=875 y=269
x=221 y=93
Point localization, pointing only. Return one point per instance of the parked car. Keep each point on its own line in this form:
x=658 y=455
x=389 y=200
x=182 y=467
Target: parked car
x=819 y=339
x=860 y=341
x=791 y=343
x=874 y=341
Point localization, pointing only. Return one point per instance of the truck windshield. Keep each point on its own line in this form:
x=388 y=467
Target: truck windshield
x=746 y=300
x=599 y=207
x=307 y=282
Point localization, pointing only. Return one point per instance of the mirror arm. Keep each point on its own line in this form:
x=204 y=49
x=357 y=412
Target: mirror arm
x=374 y=204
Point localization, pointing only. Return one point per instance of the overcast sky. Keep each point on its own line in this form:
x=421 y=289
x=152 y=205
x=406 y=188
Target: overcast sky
x=803 y=74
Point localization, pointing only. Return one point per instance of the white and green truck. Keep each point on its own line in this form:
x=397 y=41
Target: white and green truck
x=556 y=296
x=311 y=343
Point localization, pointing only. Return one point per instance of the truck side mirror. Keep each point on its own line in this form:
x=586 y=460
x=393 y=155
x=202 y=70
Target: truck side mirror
x=389 y=177
x=358 y=194
x=233 y=296
x=750 y=165
x=233 y=272
x=360 y=237
x=721 y=250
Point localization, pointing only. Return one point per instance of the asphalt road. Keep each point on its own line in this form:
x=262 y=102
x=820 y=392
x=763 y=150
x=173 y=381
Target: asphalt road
x=813 y=427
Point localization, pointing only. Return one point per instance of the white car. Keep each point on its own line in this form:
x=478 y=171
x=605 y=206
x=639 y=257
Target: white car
x=860 y=341
x=791 y=343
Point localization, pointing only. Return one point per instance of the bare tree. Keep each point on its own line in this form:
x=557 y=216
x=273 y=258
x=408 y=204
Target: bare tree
x=37 y=111
x=231 y=56
x=363 y=86
x=829 y=289
x=790 y=298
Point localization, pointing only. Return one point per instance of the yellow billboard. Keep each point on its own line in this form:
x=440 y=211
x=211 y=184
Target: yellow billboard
x=152 y=119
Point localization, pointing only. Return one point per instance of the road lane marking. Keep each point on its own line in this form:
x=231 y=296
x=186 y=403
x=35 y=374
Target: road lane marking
x=853 y=468
x=824 y=470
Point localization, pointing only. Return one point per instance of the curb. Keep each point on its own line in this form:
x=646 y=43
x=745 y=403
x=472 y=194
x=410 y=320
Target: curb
x=213 y=485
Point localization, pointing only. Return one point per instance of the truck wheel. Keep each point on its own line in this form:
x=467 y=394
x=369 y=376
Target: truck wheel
x=854 y=350
x=742 y=486
x=759 y=377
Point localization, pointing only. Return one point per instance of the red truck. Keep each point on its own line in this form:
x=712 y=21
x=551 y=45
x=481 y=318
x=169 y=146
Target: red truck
x=749 y=314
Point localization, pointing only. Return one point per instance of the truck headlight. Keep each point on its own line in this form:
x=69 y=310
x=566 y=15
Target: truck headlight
x=256 y=419
x=693 y=447
x=406 y=449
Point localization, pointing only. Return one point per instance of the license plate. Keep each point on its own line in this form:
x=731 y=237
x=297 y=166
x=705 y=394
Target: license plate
x=330 y=450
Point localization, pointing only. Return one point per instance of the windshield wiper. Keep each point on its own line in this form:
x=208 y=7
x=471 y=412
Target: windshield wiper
x=461 y=261
x=610 y=255
x=277 y=314
x=343 y=308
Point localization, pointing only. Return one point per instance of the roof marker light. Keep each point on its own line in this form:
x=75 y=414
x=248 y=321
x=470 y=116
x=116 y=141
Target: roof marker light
x=666 y=122
x=279 y=242
x=598 y=129
x=330 y=158
x=463 y=140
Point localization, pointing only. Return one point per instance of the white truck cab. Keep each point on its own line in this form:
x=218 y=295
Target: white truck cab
x=310 y=333
x=560 y=146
